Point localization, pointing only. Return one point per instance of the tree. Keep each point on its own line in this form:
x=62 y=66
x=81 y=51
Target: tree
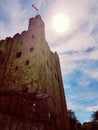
x=94 y=125
x=74 y=123
x=86 y=126
x=95 y=116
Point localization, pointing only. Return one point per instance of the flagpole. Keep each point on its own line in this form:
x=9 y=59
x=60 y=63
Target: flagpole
x=37 y=11
x=34 y=7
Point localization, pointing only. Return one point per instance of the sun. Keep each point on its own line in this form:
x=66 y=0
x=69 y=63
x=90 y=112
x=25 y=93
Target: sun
x=60 y=22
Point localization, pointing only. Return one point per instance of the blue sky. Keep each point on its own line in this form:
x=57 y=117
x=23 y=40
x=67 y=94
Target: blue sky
x=77 y=47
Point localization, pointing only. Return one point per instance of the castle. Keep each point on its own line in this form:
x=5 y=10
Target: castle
x=31 y=88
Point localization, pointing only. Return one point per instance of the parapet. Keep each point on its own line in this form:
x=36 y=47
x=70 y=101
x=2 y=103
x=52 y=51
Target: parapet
x=35 y=22
x=37 y=27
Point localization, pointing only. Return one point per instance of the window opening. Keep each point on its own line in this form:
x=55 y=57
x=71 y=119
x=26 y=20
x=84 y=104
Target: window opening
x=31 y=49
x=18 y=55
x=21 y=43
x=47 y=64
x=33 y=36
x=2 y=61
x=16 y=68
x=27 y=62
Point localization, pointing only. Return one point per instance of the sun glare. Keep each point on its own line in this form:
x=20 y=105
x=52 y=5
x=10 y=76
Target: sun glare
x=60 y=22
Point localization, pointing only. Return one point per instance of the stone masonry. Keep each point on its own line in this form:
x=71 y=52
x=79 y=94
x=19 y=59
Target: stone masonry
x=31 y=88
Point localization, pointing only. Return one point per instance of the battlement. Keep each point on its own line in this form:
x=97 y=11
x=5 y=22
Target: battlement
x=37 y=27
x=30 y=73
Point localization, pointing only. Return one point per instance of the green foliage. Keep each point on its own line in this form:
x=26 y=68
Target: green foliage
x=95 y=116
x=93 y=125
x=86 y=126
x=74 y=123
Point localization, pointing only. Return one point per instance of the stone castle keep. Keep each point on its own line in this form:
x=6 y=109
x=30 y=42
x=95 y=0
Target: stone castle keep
x=31 y=88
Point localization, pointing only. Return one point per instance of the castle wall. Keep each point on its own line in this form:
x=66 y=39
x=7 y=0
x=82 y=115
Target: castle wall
x=29 y=68
x=5 y=50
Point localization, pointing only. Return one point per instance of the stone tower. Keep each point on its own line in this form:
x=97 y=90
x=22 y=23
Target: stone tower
x=31 y=89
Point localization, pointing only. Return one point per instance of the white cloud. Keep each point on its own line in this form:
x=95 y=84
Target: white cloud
x=74 y=106
x=66 y=86
x=81 y=41
x=92 y=108
x=93 y=73
x=79 y=37
x=93 y=55
x=15 y=21
x=66 y=65
x=86 y=96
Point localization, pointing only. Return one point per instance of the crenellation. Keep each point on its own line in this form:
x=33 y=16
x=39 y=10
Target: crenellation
x=31 y=71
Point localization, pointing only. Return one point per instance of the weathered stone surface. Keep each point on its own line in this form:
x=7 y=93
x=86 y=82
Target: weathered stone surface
x=30 y=82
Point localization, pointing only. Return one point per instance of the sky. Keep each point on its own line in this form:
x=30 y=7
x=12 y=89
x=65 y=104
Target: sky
x=77 y=47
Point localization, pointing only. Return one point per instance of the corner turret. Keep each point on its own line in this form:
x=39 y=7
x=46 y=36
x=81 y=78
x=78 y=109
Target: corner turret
x=37 y=27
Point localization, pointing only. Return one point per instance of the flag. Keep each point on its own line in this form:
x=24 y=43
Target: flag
x=34 y=7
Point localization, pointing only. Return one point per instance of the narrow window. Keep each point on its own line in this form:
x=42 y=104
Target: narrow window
x=1 y=57
x=2 y=61
x=18 y=54
x=56 y=76
x=21 y=43
x=16 y=68
x=31 y=49
x=47 y=64
x=13 y=81
x=43 y=52
x=27 y=62
x=33 y=36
